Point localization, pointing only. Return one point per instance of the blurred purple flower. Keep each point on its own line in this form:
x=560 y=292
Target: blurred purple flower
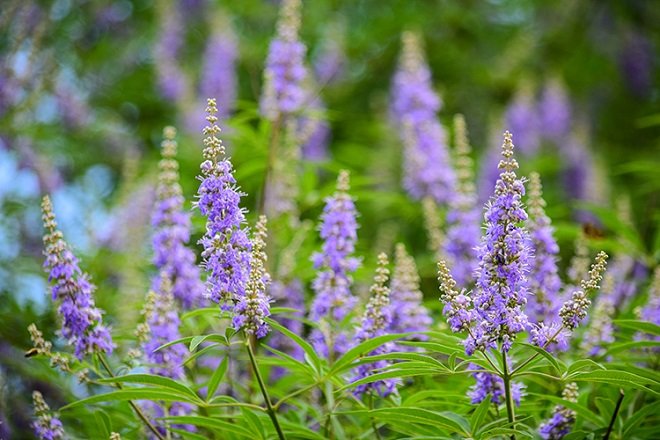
x=554 y=112
x=562 y=419
x=172 y=81
x=313 y=127
x=285 y=70
x=219 y=71
x=521 y=119
x=330 y=62
x=636 y=62
x=288 y=294
x=489 y=384
x=414 y=104
x=172 y=231
x=46 y=426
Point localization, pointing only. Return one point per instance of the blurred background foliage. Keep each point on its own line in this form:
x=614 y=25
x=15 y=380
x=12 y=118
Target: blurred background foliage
x=81 y=116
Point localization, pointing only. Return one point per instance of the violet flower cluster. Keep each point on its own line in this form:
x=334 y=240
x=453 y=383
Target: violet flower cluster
x=162 y=326
x=285 y=70
x=171 y=226
x=562 y=420
x=521 y=118
x=407 y=314
x=226 y=255
x=46 y=426
x=82 y=324
x=172 y=81
x=554 y=113
x=490 y=384
x=427 y=168
x=457 y=305
x=219 y=71
x=333 y=300
x=330 y=63
x=544 y=284
x=504 y=254
x=463 y=218
x=254 y=306
x=376 y=321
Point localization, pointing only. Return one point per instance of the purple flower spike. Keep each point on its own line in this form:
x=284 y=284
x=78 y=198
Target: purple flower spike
x=574 y=310
x=162 y=326
x=408 y=314
x=554 y=111
x=601 y=328
x=171 y=224
x=427 y=168
x=376 y=320
x=504 y=254
x=463 y=219
x=334 y=300
x=46 y=426
x=285 y=70
x=226 y=244
x=521 y=119
x=544 y=283
x=172 y=81
x=562 y=420
x=219 y=71
x=254 y=306
x=82 y=324
x=458 y=305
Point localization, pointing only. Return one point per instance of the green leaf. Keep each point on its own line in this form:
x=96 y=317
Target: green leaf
x=254 y=422
x=615 y=377
x=152 y=379
x=214 y=424
x=216 y=377
x=479 y=414
x=558 y=367
x=642 y=326
x=153 y=394
x=307 y=348
x=214 y=337
x=362 y=349
x=448 y=421
x=638 y=417
x=581 y=365
x=625 y=346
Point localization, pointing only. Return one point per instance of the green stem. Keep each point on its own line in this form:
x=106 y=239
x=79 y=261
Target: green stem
x=537 y=354
x=330 y=400
x=264 y=391
x=614 y=415
x=136 y=408
x=507 y=394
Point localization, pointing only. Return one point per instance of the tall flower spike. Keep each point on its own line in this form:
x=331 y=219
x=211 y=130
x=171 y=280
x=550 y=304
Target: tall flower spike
x=522 y=119
x=226 y=244
x=432 y=225
x=601 y=328
x=651 y=311
x=282 y=186
x=463 y=218
x=457 y=307
x=501 y=290
x=408 y=314
x=334 y=300
x=544 y=282
x=427 y=168
x=313 y=129
x=562 y=420
x=285 y=69
x=172 y=81
x=252 y=308
x=376 y=320
x=575 y=309
x=46 y=426
x=82 y=325
x=554 y=110
x=162 y=319
x=171 y=225
x=219 y=71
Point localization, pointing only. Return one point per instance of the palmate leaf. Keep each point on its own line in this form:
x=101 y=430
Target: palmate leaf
x=616 y=378
x=213 y=424
x=450 y=422
x=315 y=361
x=153 y=394
x=362 y=349
x=642 y=326
x=152 y=379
